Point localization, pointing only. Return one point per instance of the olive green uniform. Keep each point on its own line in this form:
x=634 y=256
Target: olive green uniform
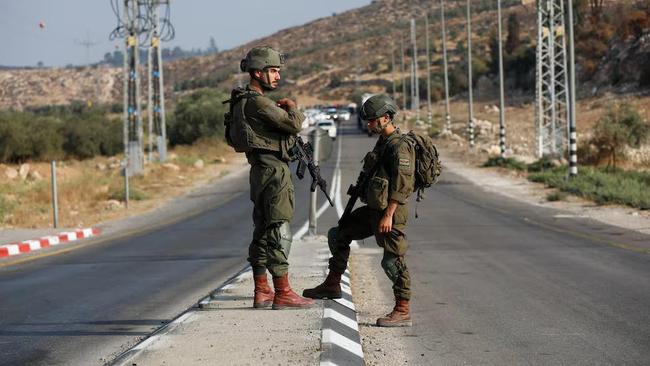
x=271 y=187
x=393 y=180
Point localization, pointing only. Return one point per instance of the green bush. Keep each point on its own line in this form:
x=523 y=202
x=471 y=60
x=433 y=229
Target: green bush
x=54 y=133
x=601 y=185
x=556 y=196
x=509 y=163
x=621 y=127
x=197 y=115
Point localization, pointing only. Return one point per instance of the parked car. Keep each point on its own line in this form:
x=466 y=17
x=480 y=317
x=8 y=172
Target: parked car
x=332 y=113
x=329 y=126
x=344 y=115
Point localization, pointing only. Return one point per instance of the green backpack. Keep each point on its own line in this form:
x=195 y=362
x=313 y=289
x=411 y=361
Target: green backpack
x=427 y=162
x=239 y=133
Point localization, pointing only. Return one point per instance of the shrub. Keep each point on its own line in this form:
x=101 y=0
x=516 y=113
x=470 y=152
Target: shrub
x=601 y=185
x=509 y=163
x=556 y=196
x=622 y=126
x=197 y=115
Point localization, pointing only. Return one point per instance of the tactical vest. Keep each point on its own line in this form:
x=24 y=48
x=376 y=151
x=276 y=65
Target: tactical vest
x=246 y=134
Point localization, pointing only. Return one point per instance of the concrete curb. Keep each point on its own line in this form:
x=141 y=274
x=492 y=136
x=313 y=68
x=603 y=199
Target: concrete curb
x=125 y=357
x=27 y=246
x=340 y=339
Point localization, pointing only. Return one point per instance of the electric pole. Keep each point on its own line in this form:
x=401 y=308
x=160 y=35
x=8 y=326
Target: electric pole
x=469 y=76
x=392 y=62
x=87 y=44
x=426 y=37
x=502 y=119
x=132 y=120
x=156 y=105
x=444 y=61
x=416 y=90
x=401 y=45
x=553 y=107
x=573 y=136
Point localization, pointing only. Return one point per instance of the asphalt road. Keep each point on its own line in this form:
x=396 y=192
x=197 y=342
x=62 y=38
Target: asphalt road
x=501 y=282
x=86 y=306
x=495 y=282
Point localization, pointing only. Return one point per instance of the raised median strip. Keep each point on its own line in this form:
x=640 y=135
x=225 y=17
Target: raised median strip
x=340 y=339
x=11 y=249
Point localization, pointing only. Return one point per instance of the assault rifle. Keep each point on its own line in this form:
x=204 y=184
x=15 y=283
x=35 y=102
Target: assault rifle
x=305 y=154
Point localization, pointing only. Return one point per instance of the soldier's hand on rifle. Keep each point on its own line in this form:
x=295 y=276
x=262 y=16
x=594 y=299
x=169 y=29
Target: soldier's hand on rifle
x=286 y=104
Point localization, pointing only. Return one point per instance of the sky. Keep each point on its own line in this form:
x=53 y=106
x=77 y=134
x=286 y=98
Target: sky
x=68 y=22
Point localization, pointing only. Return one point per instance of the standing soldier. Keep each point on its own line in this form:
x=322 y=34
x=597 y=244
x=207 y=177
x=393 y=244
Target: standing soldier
x=265 y=130
x=390 y=168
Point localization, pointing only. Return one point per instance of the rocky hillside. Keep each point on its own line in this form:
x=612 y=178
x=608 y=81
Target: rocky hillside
x=331 y=58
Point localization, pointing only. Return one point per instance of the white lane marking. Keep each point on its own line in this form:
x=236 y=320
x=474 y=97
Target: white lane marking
x=330 y=336
x=346 y=303
x=333 y=314
x=346 y=289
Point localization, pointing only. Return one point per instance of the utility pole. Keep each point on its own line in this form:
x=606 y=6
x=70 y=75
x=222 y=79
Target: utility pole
x=401 y=44
x=469 y=76
x=392 y=62
x=416 y=81
x=156 y=106
x=573 y=136
x=444 y=61
x=87 y=44
x=132 y=120
x=553 y=107
x=426 y=36
x=502 y=111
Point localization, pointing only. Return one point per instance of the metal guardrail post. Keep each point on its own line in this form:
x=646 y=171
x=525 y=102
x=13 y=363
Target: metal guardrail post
x=55 y=199
x=313 y=201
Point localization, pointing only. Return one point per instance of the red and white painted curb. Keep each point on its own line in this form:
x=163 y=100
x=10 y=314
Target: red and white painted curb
x=27 y=246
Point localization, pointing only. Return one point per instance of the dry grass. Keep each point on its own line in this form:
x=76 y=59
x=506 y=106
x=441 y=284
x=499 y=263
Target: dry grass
x=85 y=188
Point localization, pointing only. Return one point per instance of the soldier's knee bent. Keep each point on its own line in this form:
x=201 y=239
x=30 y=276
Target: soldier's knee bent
x=391 y=266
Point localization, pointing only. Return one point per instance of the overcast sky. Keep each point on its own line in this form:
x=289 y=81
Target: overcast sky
x=67 y=22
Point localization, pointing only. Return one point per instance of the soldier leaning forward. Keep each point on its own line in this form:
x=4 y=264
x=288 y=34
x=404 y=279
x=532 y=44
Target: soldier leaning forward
x=265 y=130
x=391 y=167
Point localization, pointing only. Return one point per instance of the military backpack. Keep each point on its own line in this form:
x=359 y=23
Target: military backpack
x=427 y=162
x=239 y=133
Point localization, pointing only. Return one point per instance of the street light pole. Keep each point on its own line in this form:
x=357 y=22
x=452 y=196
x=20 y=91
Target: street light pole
x=469 y=76
x=502 y=118
x=444 y=61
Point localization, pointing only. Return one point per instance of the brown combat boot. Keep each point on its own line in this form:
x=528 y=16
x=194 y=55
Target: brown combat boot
x=285 y=298
x=399 y=317
x=263 y=293
x=330 y=288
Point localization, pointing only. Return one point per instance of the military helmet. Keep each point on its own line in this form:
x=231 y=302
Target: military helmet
x=260 y=58
x=378 y=105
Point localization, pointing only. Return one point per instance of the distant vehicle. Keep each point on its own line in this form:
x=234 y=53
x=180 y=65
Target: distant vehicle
x=329 y=126
x=312 y=115
x=363 y=125
x=344 y=115
x=332 y=113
